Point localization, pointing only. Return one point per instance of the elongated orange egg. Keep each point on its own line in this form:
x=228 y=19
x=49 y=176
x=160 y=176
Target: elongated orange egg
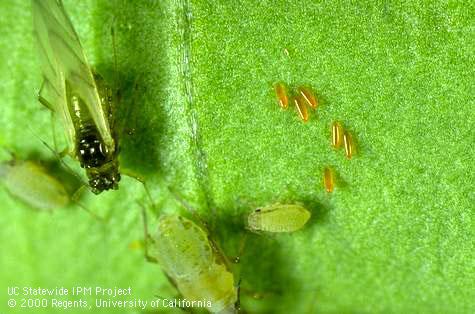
x=337 y=134
x=308 y=96
x=281 y=93
x=328 y=179
x=349 y=145
x=301 y=108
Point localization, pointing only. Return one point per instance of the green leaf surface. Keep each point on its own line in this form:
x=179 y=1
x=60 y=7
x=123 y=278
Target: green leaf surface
x=200 y=117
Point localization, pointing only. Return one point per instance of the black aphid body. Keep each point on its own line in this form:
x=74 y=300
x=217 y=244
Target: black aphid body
x=101 y=164
x=102 y=167
x=77 y=95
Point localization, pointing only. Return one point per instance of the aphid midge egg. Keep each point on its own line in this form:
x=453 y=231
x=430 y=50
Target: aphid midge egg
x=328 y=179
x=281 y=93
x=308 y=96
x=337 y=134
x=349 y=145
x=301 y=107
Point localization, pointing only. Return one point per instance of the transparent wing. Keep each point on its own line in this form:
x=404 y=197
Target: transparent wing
x=64 y=62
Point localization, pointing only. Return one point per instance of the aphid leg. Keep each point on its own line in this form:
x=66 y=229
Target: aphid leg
x=140 y=179
x=77 y=194
x=93 y=215
x=12 y=154
x=147 y=236
x=43 y=100
x=5 y=164
x=237 y=304
x=75 y=199
x=59 y=156
x=53 y=132
x=242 y=245
x=237 y=269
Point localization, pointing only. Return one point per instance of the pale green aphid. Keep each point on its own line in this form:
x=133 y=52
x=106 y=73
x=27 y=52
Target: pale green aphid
x=278 y=218
x=194 y=265
x=77 y=95
x=31 y=183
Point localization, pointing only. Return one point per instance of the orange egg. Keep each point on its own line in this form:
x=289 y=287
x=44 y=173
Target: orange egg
x=308 y=96
x=301 y=107
x=328 y=179
x=281 y=93
x=337 y=134
x=349 y=145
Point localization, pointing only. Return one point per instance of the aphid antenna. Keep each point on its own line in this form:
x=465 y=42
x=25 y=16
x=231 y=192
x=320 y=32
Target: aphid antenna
x=137 y=79
x=59 y=157
x=147 y=236
x=187 y=206
x=114 y=47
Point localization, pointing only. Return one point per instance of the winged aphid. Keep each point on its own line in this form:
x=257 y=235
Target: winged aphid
x=78 y=95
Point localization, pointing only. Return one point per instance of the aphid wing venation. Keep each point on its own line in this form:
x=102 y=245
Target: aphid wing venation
x=64 y=63
x=53 y=88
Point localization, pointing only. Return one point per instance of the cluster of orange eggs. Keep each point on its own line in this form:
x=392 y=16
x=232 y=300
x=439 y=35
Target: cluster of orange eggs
x=339 y=137
x=304 y=98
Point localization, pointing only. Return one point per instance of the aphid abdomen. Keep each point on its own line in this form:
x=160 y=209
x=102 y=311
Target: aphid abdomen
x=88 y=137
x=182 y=248
x=185 y=254
x=90 y=149
x=215 y=285
x=278 y=218
x=30 y=183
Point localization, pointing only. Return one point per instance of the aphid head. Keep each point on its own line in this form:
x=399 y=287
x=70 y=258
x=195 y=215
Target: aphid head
x=104 y=178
